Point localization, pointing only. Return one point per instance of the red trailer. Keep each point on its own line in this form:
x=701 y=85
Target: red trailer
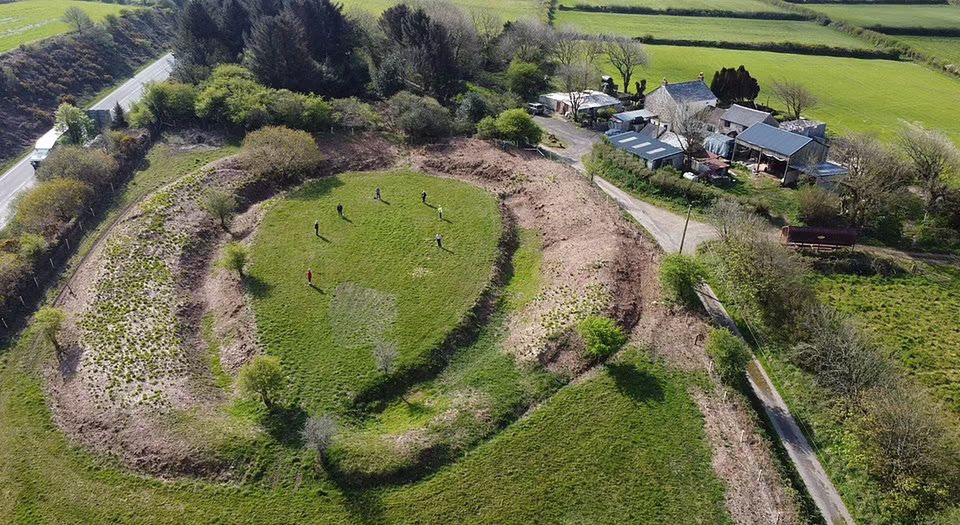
x=818 y=239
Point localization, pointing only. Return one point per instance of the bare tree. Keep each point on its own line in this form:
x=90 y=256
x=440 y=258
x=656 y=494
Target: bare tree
x=933 y=158
x=840 y=358
x=574 y=79
x=76 y=17
x=567 y=48
x=876 y=173
x=318 y=434
x=731 y=219
x=689 y=124
x=527 y=40
x=488 y=27
x=385 y=356
x=461 y=31
x=795 y=96
x=593 y=47
x=625 y=55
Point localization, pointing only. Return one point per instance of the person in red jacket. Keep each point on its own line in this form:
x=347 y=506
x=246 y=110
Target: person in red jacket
x=309 y=277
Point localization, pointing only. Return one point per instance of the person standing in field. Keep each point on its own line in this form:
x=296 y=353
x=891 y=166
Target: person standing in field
x=316 y=227
x=340 y=209
x=423 y=197
x=439 y=241
x=440 y=211
x=376 y=195
x=309 y=277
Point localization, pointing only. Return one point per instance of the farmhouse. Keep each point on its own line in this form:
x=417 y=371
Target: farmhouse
x=590 y=102
x=655 y=153
x=738 y=118
x=785 y=153
x=670 y=100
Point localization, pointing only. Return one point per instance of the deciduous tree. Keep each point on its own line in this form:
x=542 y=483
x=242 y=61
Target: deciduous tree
x=933 y=158
x=263 y=377
x=221 y=206
x=626 y=55
x=795 y=96
x=77 y=18
x=48 y=322
x=74 y=123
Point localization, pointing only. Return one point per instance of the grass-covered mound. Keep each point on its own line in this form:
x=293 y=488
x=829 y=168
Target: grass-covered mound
x=379 y=277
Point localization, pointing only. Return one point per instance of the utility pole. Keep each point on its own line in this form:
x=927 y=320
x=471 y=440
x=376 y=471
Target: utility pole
x=685 y=224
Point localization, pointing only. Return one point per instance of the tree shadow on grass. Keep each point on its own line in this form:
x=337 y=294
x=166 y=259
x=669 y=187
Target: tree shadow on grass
x=638 y=385
x=365 y=505
x=257 y=287
x=284 y=424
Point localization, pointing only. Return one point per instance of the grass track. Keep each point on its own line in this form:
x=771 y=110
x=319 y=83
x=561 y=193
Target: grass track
x=387 y=250
x=856 y=95
x=26 y=21
x=708 y=28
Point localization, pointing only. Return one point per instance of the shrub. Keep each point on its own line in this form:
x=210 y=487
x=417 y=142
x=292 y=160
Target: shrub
x=233 y=96
x=280 y=153
x=52 y=202
x=517 y=125
x=680 y=275
x=419 y=118
x=318 y=434
x=235 y=257
x=487 y=128
x=262 y=377
x=220 y=205
x=472 y=107
x=93 y=166
x=818 y=207
x=729 y=354
x=164 y=105
x=350 y=113
x=48 y=322
x=31 y=245
x=601 y=337
x=76 y=126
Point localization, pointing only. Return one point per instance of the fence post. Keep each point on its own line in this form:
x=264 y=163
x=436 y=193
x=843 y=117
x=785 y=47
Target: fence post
x=35 y=281
x=22 y=301
x=52 y=267
x=5 y=325
x=67 y=239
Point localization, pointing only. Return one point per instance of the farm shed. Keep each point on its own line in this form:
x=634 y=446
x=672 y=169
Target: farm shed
x=590 y=102
x=631 y=120
x=684 y=97
x=655 y=153
x=807 y=128
x=786 y=153
x=738 y=118
x=828 y=174
x=720 y=145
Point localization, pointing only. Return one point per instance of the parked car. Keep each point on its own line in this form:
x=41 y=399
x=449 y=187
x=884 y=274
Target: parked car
x=536 y=108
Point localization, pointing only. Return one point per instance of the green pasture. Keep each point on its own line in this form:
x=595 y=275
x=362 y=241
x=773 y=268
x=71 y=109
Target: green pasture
x=917 y=317
x=945 y=47
x=505 y=9
x=894 y=15
x=379 y=276
x=709 y=28
x=726 y=5
x=30 y=20
x=855 y=95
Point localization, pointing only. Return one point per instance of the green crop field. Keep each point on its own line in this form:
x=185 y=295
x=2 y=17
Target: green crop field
x=933 y=16
x=380 y=278
x=855 y=95
x=505 y=9
x=708 y=28
x=917 y=317
x=30 y=20
x=728 y=5
x=947 y=48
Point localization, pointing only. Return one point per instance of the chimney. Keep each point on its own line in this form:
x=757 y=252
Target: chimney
x=701 y=76
x=664 y=81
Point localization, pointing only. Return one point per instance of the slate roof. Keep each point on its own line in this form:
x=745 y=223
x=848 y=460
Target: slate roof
x=688 y=92
x=773 y=139
x=744 y=116
x=643 y=146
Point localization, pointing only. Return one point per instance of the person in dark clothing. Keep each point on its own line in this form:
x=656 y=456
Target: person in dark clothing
x=340 y=209
x=376 y=196
x=423 y=197
x=316 y=227
x=439 y=241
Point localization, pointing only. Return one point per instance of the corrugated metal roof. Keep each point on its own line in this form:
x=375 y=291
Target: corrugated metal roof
x=630 y=116
x=693 y=91
x=773 y=139
x=745 y=116
x=643 y=146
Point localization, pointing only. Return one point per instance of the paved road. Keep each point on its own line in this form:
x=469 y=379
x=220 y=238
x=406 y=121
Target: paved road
x=21 y=177
x=667 y=228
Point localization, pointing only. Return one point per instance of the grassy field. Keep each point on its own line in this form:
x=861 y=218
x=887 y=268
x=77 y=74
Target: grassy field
x=917 y=317
x=627 y=443
x=505 y=9
x=729 y=5
x=379 y=276
x=855 y=95
x=894 y=15
x=945 y=47
x=30 y=20
x=708 y=28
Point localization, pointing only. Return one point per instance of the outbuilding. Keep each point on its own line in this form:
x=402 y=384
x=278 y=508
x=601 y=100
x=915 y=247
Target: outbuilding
x=656 y=154
x=590 y=102
x=786 y=153
x=737 y=119
x=631 y=120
